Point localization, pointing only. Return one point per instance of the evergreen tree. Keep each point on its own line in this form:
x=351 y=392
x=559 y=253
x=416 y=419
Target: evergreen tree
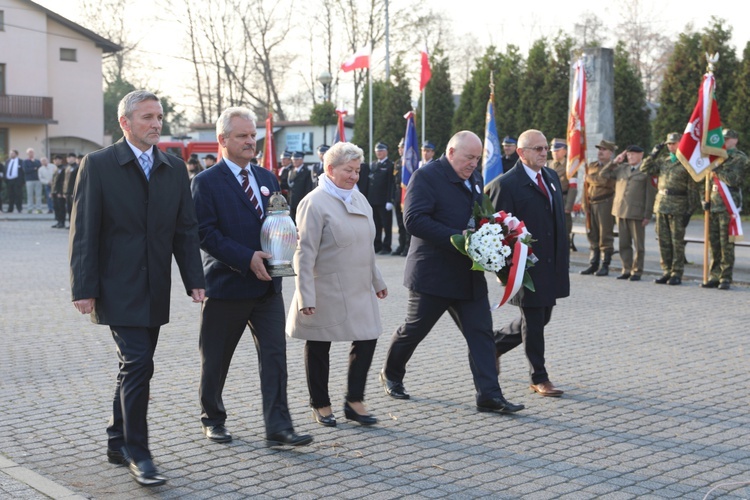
x=679 y=90
x=533 y=99
x=632 y=124
x=472 y=108
x=389 y=124
x=715 y=39
x=738 y=118
x=439 y=105
x=556 y=89
x=113 y=94
x=508 y=85
x=361 y=136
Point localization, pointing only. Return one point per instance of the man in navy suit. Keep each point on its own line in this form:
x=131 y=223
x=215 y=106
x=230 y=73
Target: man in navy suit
x=532 y=192
x=439 y=204
x=230 y=202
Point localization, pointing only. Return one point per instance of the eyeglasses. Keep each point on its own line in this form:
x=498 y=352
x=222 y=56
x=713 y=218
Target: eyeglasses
x=539 y=149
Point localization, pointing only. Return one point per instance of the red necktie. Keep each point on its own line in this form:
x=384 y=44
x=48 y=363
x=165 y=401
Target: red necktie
x=249 y=192
x=541 y=185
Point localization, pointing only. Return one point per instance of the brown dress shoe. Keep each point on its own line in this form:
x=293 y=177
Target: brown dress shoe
x=546 y=389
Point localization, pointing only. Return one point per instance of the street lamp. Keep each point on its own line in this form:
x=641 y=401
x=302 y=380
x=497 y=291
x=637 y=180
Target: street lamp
x=325 y=78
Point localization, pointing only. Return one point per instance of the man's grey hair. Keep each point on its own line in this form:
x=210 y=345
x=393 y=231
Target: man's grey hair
x=342 y=153
x=129 y=102
x=525 y=138
x=224 y=125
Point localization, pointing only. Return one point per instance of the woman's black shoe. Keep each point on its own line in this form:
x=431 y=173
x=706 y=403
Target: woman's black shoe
x=350 y=414
x=327 y=420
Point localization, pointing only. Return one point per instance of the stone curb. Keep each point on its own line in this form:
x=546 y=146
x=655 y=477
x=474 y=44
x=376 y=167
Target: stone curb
x=36 y=481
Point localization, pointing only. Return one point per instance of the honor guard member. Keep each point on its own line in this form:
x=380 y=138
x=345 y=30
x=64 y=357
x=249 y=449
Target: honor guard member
x=403 y=237
x=428 y=153
x=380 y=193
x=599 y=193
x=317 y=169
x=300 y=181
x=559 y=163
x=721 y=241
x=510 y=157
x=672 y=203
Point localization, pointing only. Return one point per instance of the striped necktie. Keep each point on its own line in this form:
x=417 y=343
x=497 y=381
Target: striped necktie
x=145 y=164
x=249 y=191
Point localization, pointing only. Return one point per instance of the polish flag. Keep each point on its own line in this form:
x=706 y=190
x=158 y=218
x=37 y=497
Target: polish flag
x=358 y=60
x=576 y=123
x=426 y=72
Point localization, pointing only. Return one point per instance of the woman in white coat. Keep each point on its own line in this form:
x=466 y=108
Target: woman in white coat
x=337 y=283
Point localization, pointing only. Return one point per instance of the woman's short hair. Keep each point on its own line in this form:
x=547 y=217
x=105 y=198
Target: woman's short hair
x=342 y=153
x=223 y=124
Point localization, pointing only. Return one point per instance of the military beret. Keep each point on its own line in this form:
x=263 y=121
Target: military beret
x=507 y=140
x=286 y=154
x=673 y=137
x=428 y=145
x=730 y=134
x=556 y=144
x=606 y=145
x=381 y=146
x=298 y=154
x=634 y=148
x=323 y=148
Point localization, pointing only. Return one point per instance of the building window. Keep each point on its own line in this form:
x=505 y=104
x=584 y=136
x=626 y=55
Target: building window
x=2 y=20
x=2 y=79
x=68 y=55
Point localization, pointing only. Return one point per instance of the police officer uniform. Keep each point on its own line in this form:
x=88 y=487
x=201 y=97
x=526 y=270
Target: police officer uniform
x=380 y=194
x=318 y=169
x=509 y=161
x=300 y=183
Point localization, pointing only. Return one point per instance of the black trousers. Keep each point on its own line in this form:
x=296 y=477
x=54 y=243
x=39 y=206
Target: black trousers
x=59 y=205
x=383 y=220
x=473 y=320
x=403 y=235
x=317 y=368
x=128 y=426
x=222 y=324
x=14 y=191
x=529 y=330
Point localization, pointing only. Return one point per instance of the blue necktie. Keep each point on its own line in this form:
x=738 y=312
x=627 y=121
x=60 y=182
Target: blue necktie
x=145 y=164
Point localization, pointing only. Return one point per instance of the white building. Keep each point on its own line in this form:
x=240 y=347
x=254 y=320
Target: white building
x=51 y=87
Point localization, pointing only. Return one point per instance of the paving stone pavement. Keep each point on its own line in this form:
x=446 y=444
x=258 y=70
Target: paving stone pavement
x=656 y=402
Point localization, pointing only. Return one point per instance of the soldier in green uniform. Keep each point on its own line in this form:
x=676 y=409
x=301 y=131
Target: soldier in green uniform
x=674 y=191
x=599 y=195
x=559 y=163
x=731 y=172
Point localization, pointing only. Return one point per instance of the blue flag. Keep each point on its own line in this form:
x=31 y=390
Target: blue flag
x=410 y=159
x=491 y=159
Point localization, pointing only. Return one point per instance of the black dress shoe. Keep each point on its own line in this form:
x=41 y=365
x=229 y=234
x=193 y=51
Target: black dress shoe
x=288 y=438
x=674 y=280
x=385 y=251
x=663 y=280
x=217 y=433
x=397 y=251
x=499 y=405
x=145 y=473
x=393 y=389
x=635 y=277
x=724 y=285
x=710 y=284
x=623 y=276
x=118 y=457
x=327 y=420
x=404 y=252
x=350 y=414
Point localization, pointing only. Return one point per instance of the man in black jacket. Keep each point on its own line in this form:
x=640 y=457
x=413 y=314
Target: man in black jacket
x=510 y=156
x=300 y=182
x=380 y=192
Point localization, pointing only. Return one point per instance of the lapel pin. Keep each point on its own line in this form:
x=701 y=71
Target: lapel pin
x=264 y=191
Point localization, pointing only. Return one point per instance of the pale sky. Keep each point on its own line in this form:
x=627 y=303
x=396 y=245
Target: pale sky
x=491 y=22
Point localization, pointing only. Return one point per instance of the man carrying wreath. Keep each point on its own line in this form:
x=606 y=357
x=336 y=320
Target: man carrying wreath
x=532 y=193
x=438 y=205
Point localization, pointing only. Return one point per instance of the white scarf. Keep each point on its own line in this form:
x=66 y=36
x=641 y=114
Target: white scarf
x=343 y=194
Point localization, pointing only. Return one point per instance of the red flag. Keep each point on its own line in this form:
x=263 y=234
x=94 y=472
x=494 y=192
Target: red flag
x=702 y=144
x=426 y=73
x=358 y=60
x=340 y=130
x=576 y=123
x=269 y=148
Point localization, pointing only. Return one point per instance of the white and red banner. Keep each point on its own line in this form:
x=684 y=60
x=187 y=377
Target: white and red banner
x=516 y=230
x=735 y=224
x=577 y=123
x=340 y=130
x=358 y=60
x=702 y=145
x=269 y=147
x=426 y=72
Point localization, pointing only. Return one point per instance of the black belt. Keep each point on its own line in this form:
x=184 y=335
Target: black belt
x=672 y=192
x=564 y=193
x=601 y=198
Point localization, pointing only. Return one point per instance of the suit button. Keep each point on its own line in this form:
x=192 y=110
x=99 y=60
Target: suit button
x=143 y=268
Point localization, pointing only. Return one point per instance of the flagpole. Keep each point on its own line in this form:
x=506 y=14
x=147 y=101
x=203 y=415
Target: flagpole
x=369 y=82
x=423 y=113
x=707 y=197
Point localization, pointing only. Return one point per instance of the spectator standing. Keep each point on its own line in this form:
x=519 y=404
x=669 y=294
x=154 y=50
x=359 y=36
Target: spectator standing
x=33 y=187
x=14 y=181
x=380 y=192
x=46 y=171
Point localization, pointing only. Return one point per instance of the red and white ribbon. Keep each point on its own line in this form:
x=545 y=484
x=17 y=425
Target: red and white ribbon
x=515 y=277
x=735 y=224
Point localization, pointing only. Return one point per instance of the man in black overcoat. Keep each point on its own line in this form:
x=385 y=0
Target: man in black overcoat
x=380 y=193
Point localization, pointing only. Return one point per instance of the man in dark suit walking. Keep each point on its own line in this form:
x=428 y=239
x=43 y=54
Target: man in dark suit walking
x=439 y=204
x=532 y=193
x=230 y=201
x=132 y=212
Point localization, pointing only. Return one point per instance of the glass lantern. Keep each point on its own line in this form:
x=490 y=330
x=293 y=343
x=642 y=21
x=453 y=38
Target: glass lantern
x=278 y=236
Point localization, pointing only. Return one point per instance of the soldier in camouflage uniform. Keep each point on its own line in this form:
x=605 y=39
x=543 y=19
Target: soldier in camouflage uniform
x=674 y=192
x=599 y=195
x=732 y=171
x=559 y=164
